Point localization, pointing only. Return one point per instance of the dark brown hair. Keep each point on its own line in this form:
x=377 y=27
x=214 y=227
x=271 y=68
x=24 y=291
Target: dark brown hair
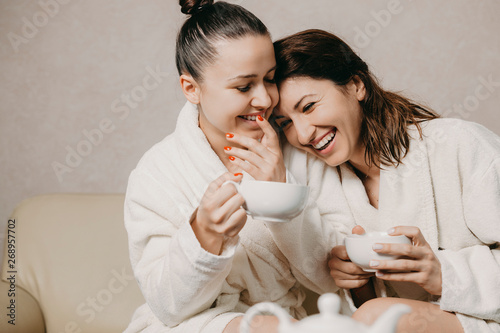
x=208 y=23
x=386 y=115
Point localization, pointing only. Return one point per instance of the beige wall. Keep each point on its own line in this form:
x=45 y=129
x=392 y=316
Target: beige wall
x=67 y=67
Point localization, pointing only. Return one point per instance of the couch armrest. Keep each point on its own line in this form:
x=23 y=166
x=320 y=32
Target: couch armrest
x=28 y=317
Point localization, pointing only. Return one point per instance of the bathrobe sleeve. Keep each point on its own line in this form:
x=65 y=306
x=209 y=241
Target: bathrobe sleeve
x=307 y=240
x=177 y=277
x=471 y=276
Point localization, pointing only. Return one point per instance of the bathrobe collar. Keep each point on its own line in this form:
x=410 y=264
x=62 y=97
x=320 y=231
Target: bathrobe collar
x=195 y=154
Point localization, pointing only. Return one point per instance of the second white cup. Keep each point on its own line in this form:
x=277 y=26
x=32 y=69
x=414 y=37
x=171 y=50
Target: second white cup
x=360 y=248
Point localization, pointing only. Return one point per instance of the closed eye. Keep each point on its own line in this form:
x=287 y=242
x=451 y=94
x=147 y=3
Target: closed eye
x=308 y=106
x=279 y=122
x=243 y=89
x=271 y=80
x=284 y=124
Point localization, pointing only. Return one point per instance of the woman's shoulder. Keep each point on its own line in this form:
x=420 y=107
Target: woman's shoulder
x=459 y=132
x=164 y=152
x=456 y=125
x=157 y=153
x=471 y=145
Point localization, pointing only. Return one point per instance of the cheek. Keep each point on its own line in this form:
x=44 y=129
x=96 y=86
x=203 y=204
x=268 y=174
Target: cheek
x=355 y=128
x=229 y=103
x=291 y=137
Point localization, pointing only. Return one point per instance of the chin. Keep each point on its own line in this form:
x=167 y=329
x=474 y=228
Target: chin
x=333 y=161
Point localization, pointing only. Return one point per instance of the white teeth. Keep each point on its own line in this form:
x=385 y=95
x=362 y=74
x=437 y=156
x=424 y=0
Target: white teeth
x=326 y=140
x=252 y=118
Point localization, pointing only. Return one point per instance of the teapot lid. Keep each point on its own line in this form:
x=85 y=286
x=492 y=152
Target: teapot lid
x=329 y=319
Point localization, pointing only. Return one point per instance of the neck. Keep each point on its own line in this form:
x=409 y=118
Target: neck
x=364 y=170
x=218 y=141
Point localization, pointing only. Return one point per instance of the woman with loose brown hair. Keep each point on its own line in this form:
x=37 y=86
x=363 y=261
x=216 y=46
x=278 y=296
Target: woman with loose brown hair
x=400 y=168
x=323 y=56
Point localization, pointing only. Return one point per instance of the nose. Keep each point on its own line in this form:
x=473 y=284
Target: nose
x=262 y=97
x=305 y=131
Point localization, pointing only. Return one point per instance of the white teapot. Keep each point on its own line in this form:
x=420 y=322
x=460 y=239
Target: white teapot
x=328 y=320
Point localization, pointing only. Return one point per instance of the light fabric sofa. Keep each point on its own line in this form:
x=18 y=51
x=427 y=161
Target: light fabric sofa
x=72 y=271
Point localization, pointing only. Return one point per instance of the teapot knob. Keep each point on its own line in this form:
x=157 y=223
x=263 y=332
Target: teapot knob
x=329 y=304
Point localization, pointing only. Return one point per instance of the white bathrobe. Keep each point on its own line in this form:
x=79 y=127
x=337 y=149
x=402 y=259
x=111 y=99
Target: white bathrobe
x=448 y=186
x=186 y=288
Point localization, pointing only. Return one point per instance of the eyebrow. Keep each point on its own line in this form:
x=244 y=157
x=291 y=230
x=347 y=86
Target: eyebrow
x=249 y=76
x=300 y=100
x=243 y=77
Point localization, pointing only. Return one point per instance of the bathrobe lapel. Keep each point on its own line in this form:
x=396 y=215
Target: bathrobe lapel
x=364 y=213
x=407 y=196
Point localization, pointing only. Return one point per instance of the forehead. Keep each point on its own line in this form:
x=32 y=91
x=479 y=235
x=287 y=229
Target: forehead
x=293 y=89
x=246 y=55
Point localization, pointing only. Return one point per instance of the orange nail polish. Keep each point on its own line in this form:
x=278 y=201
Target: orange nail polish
x=231 y=158
x=227 y=148
x=238 y=174
x=229 y=135
x=260 y=117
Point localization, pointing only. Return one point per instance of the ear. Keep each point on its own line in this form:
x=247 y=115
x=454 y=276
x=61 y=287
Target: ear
x=190 y=88
x=360 y=88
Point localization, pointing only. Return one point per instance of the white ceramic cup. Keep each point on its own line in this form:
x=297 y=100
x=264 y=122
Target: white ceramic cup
x=272 y=201
x=360 y=248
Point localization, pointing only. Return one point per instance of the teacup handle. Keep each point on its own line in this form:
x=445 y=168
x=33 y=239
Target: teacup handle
x=265 y=307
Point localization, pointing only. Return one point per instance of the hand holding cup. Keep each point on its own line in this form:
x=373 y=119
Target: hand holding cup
x=417 y=263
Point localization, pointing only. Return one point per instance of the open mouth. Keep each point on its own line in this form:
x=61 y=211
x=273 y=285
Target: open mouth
x=327 y=139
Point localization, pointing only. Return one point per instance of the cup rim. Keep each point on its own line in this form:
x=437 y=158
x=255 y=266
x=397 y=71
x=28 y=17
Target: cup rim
x=373 y=234
x=272 y=182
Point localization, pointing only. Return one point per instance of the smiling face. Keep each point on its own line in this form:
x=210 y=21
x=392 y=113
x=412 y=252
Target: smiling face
x=237 y=88
x=319 y=117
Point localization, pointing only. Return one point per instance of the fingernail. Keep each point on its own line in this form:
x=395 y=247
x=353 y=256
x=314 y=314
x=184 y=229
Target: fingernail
x=231 y=158
x=229 y=135
x=227 y=148
x=238 y=173
x=374 y=263
x=260 y=117
x=379 y=273
x=390 y=231
x=377 y=246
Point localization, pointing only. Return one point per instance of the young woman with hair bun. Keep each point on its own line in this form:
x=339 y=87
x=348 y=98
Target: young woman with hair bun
x=199 y=260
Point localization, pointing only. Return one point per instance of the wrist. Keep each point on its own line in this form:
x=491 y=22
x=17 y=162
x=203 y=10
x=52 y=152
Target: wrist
x=210 y=241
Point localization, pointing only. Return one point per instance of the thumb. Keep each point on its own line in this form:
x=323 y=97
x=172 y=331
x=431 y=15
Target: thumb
x=358 y=230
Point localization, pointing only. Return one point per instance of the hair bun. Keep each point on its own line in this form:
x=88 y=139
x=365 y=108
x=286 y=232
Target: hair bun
x=190 y=7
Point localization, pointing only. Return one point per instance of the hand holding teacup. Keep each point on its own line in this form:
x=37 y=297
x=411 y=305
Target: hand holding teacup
x=344 y=272
x=420 y=265
x=219 y=214
x=412 y=261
